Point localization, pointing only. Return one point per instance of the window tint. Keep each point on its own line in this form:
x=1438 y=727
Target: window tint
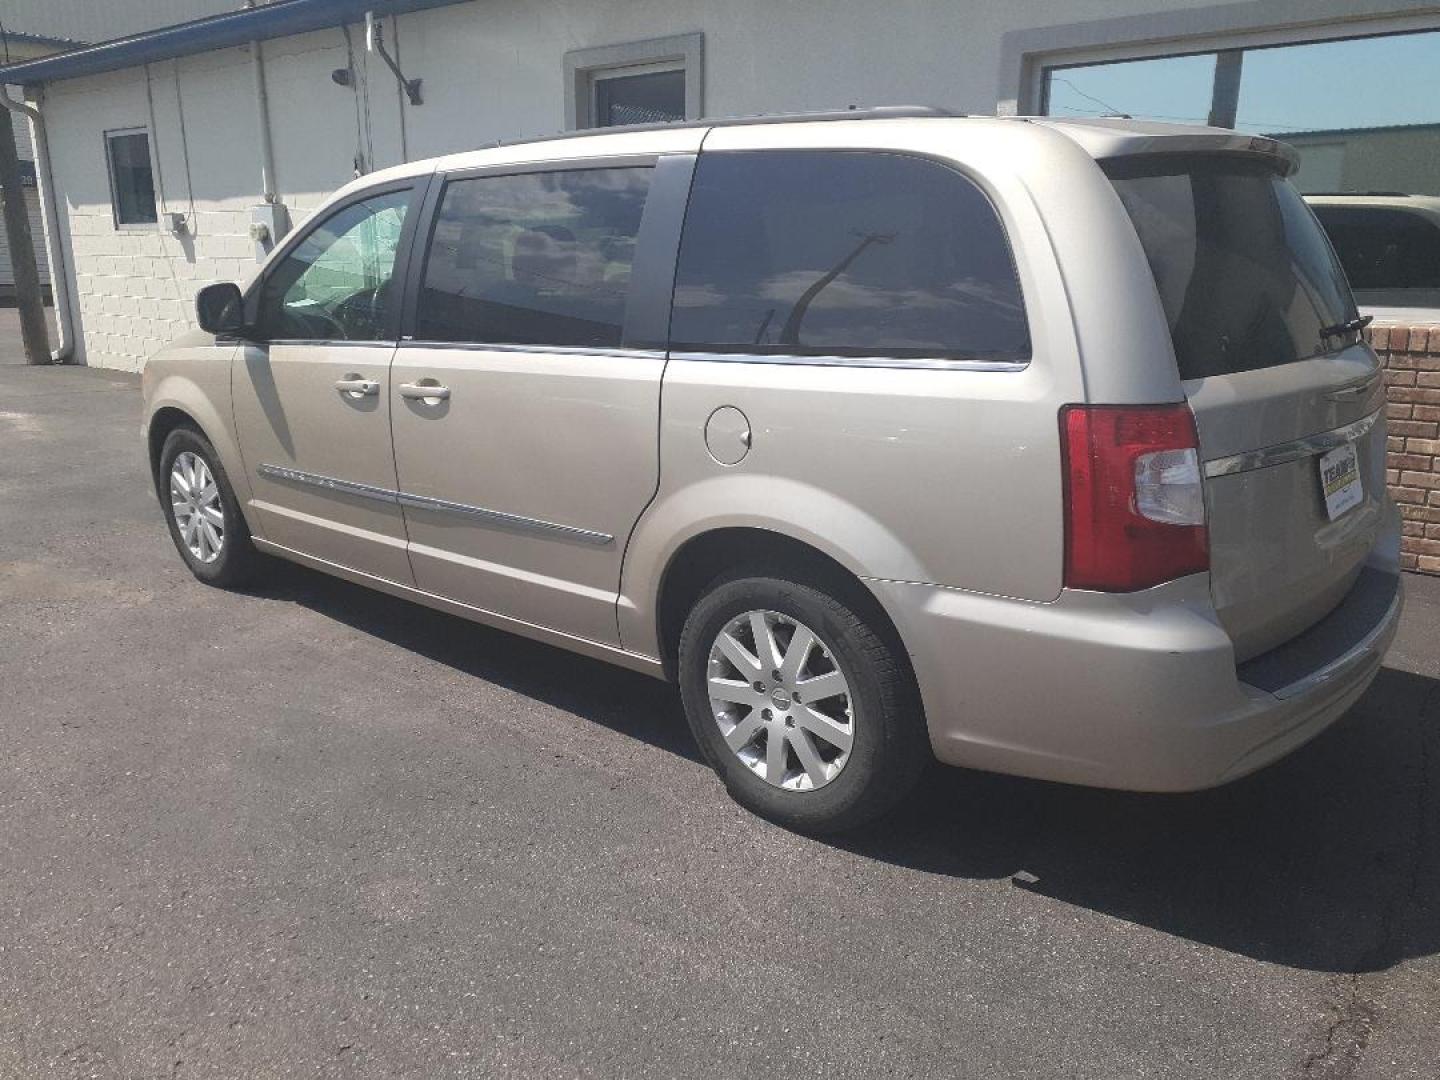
x=654 y=97
x=1245 y=273
x=844 y=253
x=1383 y=248
x=535 y=259
x=132 y=182
x=336 y=283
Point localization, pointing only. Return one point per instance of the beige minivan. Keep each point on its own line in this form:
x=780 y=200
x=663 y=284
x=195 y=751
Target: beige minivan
x=1045 y=447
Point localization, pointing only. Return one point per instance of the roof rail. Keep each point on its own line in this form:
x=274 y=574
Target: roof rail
x=876 y=112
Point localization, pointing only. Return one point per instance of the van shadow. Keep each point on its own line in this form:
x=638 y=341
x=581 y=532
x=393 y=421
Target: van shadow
x=1327 y=861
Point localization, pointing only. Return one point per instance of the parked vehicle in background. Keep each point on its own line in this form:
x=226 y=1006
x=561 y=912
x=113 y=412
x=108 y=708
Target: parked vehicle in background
x=1389 y=245
x=1046 y=447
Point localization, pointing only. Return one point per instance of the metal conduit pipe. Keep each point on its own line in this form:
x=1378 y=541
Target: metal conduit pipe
x=59 y=277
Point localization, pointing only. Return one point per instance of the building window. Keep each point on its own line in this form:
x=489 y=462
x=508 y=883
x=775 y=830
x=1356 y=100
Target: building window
x=644 y=82
x=132 y=177
x=1357 y=131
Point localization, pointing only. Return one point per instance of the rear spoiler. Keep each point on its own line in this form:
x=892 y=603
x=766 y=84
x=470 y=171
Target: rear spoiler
x=1107 y=139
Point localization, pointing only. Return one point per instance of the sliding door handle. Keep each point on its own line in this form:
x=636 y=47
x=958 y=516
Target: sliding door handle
x=427 y=390
x=356 y=387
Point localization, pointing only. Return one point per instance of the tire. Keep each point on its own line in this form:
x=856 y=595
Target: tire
x=888 y=748
x=236 y=562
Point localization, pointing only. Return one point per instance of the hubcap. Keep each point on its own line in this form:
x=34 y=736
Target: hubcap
x=781 y=701
x=195 y=502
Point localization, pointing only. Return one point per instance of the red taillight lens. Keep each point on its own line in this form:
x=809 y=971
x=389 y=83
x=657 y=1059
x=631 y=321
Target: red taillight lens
x=1134 y=506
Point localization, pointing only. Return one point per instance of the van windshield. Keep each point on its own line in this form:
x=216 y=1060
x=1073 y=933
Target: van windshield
x=1246 y=275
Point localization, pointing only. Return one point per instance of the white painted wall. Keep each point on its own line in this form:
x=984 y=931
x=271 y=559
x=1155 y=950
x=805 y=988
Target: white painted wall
x=492 y=69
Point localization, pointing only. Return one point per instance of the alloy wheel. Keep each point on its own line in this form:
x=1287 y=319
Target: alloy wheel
x=195 y=502
x=781 y=700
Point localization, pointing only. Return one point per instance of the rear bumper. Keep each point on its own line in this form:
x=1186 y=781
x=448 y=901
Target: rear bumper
x=1137 y=691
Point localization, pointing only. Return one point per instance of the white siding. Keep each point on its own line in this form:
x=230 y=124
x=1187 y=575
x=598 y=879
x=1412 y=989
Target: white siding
x=492 y=69
x=103 y=20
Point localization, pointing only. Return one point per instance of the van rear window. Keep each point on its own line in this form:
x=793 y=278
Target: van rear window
x=1246 y=275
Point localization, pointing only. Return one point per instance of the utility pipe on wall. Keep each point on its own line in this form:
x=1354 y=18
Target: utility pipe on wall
x=262 y=108
x=59 y=276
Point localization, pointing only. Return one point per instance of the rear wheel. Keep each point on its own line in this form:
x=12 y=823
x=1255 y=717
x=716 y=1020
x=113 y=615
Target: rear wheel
x=799 y=704
x=203 y=514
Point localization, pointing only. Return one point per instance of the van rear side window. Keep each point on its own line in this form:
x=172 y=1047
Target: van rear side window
x=1246 y=275
x=844 y=253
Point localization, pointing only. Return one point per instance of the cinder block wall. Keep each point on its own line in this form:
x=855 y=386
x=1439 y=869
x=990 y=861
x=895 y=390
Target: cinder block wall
x=1411 y=355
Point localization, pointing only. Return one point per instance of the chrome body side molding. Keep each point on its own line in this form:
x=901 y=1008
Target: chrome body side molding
x=495 y=518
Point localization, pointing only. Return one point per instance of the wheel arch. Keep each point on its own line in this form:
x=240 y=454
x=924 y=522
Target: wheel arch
x=705 y=556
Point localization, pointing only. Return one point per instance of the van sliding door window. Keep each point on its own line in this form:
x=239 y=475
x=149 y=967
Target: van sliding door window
x=533 y=259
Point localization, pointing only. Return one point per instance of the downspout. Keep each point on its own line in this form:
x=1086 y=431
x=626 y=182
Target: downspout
x=262 y=107
x=54 y=246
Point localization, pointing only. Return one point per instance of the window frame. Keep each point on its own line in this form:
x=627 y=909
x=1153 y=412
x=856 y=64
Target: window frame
x=647 y=307
x=419 y=186
x=109 y=136
x=584 y=68
x=1026 y=56
x=742 y=354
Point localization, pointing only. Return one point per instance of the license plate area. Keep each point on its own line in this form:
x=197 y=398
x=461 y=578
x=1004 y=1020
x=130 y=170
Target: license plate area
x=1340 y=480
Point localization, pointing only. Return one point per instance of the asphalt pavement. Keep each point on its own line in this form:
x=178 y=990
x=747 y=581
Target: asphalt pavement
x=314 y=831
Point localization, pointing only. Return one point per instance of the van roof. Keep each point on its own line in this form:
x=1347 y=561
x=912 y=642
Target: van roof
x=1101 y=138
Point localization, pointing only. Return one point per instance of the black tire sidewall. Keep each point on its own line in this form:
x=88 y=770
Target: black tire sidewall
x=237 y=554
x=882 y=765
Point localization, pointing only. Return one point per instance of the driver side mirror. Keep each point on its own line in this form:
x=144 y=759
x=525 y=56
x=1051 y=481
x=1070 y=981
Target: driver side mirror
x=220 y=309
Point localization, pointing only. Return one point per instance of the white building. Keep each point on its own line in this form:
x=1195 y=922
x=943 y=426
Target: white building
x=165 y=147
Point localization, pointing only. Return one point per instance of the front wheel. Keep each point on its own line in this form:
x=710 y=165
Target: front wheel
x=803 y=708
x=202 y=512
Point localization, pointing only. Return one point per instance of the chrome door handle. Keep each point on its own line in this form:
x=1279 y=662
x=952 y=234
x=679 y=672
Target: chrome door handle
x=430 y=393
x=355 y=386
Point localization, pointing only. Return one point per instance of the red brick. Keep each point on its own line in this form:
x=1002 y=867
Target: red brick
x=1379 y=337
x=1420 y=479
x=1408 y=561
x=1427 y=378
x=1435 y=339
x=1428 y=514
x=1432 y=531
x=1416 y=429
x=1395 y=376
x=1433 y=500
x=1417 y=462
x=1422 y=446
x=1401 y=411
x=1431 y=362
x=1413 y=528
x=1399 y=339
x=1420 y=395
x=1408 y=494
x=1392 y=477
x=1425 y=547
x=1428 y=564
x=1395 y=444
x=1424 y=412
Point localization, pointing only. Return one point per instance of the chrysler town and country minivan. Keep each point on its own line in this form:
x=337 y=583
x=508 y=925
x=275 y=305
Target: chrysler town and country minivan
x=1044 y=447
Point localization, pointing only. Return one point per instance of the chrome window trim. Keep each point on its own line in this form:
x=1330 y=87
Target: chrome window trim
x=512 y=347
x=1281 y=453
x=498 y=518
x=937 y=363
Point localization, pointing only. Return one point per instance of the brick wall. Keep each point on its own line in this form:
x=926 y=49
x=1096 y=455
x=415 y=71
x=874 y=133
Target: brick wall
x=1411 y=355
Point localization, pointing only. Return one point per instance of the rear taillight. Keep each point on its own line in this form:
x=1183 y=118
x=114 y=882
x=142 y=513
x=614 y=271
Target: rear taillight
x=1134 y=503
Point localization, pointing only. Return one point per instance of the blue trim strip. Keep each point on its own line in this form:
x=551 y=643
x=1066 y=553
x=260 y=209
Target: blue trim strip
x=278 y=19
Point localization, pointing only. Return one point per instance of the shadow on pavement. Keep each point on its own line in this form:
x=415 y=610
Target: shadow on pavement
x=1328 y=860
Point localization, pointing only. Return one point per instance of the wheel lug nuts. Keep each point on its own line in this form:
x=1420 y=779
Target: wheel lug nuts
x=766 y=713
x=775 y=674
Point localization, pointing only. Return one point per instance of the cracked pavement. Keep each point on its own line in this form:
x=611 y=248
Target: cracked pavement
x=314 y=831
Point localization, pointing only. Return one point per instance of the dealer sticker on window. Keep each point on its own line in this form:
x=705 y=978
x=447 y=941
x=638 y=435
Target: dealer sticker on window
x=1340 y=480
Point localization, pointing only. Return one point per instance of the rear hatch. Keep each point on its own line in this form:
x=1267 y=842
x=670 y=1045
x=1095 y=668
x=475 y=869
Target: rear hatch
x=1283 y=388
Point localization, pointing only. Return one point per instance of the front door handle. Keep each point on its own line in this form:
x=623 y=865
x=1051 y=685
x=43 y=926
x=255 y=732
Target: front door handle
x=427 y=390
x=356 y=387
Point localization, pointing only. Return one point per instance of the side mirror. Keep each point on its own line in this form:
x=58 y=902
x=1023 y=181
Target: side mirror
x=220 y=309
